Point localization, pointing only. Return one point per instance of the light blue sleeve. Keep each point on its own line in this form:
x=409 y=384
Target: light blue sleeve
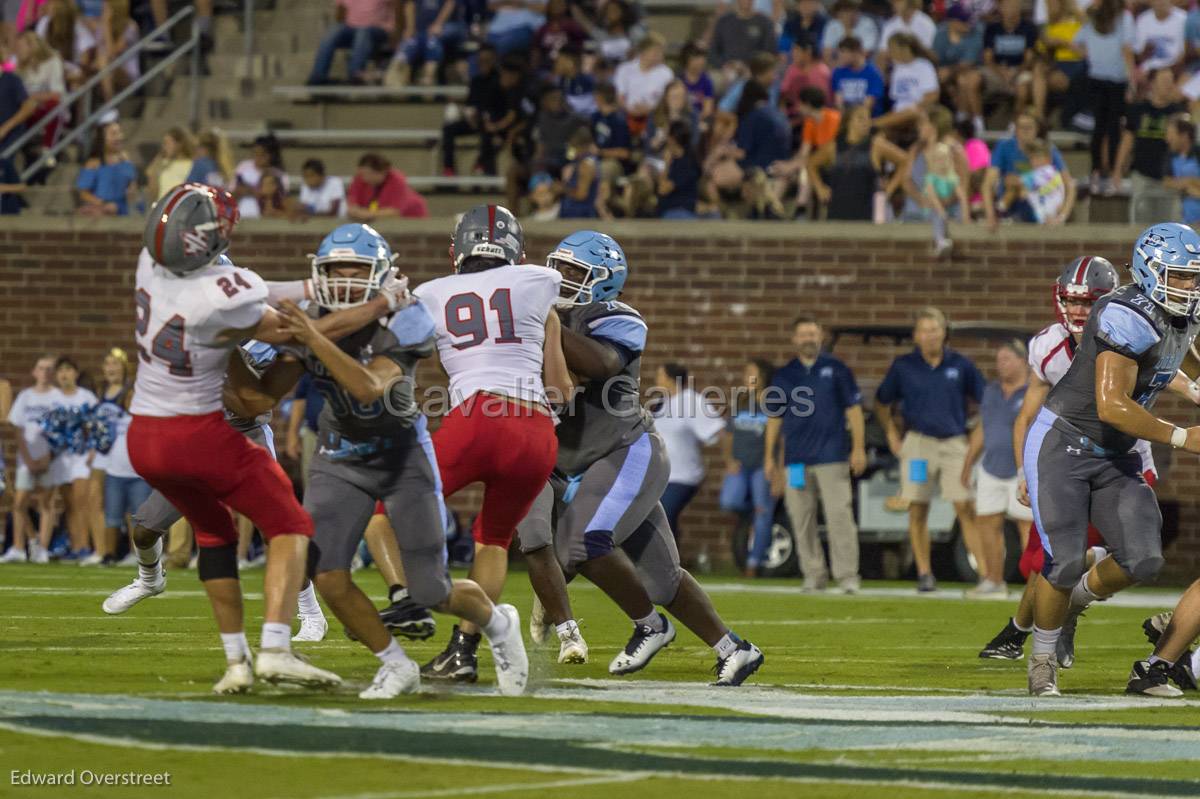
x=1126 y=331
x=412 y=326
x=627 y=330
x=259 y=355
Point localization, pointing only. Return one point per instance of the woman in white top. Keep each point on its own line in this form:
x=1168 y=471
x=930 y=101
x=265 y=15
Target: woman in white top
x=64 y=31
x=687 y=423
x=913 y=85
x=641 y=81
x=70 y=469
x=34 y=482
x=42 y=71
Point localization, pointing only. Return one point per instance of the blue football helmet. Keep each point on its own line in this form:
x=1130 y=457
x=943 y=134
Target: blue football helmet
x=350 y=245
x=592 y=265
x=1164 y=251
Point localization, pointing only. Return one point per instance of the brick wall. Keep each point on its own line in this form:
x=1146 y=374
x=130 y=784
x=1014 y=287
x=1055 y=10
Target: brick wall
x=713 y=295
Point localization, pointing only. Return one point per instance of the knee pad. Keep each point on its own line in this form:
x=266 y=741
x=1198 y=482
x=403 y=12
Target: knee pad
x=1145 y=569
x=663 y=591
x=217 y=563
x=597 y=543
x=428 y=590
x=1064 y=574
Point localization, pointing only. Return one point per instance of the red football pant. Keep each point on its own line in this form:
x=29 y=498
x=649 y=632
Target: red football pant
x=1034 y=556
x=508 y=447
x=204 y=467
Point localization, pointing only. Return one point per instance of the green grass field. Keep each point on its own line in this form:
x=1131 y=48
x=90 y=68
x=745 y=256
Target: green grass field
x=879 y=696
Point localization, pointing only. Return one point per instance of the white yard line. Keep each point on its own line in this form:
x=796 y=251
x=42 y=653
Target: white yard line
x=484 y=790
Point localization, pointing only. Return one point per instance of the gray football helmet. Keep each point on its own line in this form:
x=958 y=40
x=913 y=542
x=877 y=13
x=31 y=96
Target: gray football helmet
x=190 y=227
x=488 y=231
x=1087 y=278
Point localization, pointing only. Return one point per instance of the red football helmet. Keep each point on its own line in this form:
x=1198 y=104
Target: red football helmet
x=1088 y=278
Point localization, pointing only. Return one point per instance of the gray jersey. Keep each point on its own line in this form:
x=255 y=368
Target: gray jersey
x=345 y=416
x=605 y=415
x=1130 y=323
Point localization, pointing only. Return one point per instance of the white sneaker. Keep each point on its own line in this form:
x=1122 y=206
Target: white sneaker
x=238 y=679
x=14 y=555
x=312 y=628
x=94 y=559
x=643 y=645
x=539 y=628
x=129 y=560
x=734 y=669
x=285 y=666
x=987 y=589
x=572 y=648
x=508 y=652
x=393 y=679
x=195 y=560
x=243 y=565
x=1043 y=675
x=38 y=554
x=123 y=599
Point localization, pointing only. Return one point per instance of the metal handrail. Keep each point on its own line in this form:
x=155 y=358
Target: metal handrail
x=191 y=46
x=86 y=88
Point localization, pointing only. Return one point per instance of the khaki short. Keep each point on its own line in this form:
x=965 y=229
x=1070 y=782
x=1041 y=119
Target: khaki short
x=943 y=460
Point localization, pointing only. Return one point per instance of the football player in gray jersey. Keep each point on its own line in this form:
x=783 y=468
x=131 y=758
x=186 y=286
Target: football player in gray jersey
x=1077 y=458
x=600 y=510
x=374 y=446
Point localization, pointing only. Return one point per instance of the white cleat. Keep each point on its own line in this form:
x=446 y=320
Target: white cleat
x=572 y=648
x=1043 y=675
x=508 y=653
x=284 y=666
x=643 y=645
x=238 y=679
x=312 y=628
x=539 y=628
x=393 y=679
x=735 y=669
x=123 y=599
x=14 y=555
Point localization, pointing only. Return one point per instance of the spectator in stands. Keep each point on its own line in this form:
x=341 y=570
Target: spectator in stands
x=1183 y=167
x=991 y=447
x=108 y=181
x=430 y=29
x=1060 y=68
x=213 y=163
x=819 y=127
x=272 y=197
x=764 y=70
x=1106 y=40
x=913 y=84
x=70 y=469
x=265 y=158
x=695 y=78
x=848 y=20
x=907 y=17
x=641 y=81
x=578 y=88
x=958 y=48
x=723 y=175
x=1145 y=139
x=15 y=109
x=611 y=134
x=687 y=423
x=544 y=196
x=173 y=163
x=613 y=33
x=978 y=157
x=1158 y=37
x=584 y=192
x=320 y=194
x=362 y=27
x=1010 y=160
x=123 y=491
x=117 y=32
x=935 y=388
x=740 y=33
x=41 y=70
x=746 y=490
x=937 y=177
x=380 y=191
x=856 y=80
x=559 y=32
x=678 y=184
x=806 y=21
x=513 y=24
x=805 y=72
x=550 y=133
x=1040 y=191
x=61 y=28
x=845 y=173
x=1008 y=54
x=765 y=139
x=946 y=194
x=811 y=402
x=490 y=99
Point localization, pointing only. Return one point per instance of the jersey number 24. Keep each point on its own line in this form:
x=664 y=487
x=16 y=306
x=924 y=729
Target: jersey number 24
x=168 y=342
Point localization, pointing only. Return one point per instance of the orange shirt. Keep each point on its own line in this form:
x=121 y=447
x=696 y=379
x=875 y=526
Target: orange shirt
x=820 y=132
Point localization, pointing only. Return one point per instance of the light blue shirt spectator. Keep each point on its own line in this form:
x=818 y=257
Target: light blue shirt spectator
x=109 y=182
x=1187 y=166
x=865 y=30
x=1105 y=57
x=968 y=50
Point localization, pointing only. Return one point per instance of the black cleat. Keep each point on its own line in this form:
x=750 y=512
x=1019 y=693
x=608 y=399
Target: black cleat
x=1181 y=673
x=1155 y=626
x=1152 y=679
x=1009 y=644
x=408 y=619
x=457 y=662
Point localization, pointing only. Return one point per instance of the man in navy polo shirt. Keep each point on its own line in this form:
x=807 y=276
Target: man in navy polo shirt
x=811 y=401
x=933 y=385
